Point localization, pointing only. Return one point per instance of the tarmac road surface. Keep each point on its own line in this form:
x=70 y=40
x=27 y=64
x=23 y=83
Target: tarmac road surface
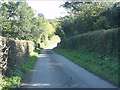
x=54 y=71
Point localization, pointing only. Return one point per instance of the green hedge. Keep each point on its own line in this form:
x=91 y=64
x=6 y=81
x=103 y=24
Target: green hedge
x=96 y=51
x=13 y=54
x=3 y=57
x=17 y=53
x=15 y=57
x=103 y=41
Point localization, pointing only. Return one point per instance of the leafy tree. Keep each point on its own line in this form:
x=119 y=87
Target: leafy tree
x=18 y=20
x=88 y=16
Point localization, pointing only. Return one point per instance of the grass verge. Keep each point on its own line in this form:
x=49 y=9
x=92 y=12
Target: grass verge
x=15 y=79
x=104 y=66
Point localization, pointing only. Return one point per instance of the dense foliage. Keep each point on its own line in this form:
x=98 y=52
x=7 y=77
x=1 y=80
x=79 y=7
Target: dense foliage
x=104 y=42
x=16 y=58
x=90 y=37
x=18 y=21
x=88 y=16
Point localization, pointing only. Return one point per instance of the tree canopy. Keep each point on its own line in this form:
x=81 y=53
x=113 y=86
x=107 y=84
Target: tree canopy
x=18 y=20
x=88 y=16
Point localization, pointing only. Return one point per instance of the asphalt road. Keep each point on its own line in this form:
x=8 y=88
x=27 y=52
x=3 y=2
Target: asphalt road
x=55 y=71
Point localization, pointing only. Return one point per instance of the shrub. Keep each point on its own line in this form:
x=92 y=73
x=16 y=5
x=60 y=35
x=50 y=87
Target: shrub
x=18 y=51
x=16 y=58
x=103 y=41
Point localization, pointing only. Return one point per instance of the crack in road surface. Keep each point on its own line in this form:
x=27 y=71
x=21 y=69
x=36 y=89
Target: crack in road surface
x=54 y=71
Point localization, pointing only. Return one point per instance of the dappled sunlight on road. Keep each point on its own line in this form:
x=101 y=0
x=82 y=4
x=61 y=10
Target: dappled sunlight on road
x=35 y=85
x=47 y=85
x=42 y=55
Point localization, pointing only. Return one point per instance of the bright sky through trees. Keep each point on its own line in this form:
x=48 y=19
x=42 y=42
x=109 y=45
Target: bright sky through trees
x=51 y=9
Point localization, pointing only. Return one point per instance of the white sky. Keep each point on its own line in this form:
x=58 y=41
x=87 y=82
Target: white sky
x=50 y=8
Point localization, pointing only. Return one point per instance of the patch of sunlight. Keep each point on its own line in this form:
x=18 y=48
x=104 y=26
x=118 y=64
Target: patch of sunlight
x=37 y=84
x=34 y=54
x=42 y=84
x=0 y=40
x=42 y=55
x=52 y=46
x=55 y=64
x=52 y=43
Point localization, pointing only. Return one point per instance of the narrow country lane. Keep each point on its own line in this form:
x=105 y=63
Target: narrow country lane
x=55 y=71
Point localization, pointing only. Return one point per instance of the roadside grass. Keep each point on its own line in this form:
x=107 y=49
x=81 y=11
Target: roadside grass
x=106 y=67
x=14 y=80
